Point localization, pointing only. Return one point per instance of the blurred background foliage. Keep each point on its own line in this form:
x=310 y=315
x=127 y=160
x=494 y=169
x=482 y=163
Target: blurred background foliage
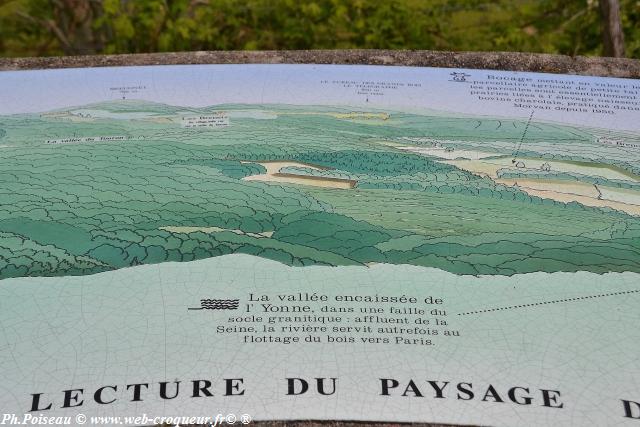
x=68 y=27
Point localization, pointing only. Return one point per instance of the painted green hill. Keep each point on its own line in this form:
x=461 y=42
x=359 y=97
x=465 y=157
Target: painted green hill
x=168 y=193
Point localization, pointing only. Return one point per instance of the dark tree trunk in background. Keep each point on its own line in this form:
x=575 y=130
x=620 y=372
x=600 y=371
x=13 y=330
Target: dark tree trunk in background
x=72 y=24
x=612 y=28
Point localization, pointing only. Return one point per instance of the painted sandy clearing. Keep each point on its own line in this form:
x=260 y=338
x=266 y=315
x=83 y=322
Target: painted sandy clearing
x=273 y=174
x=588 y=194
x=447 y=154
x=585 y=200
x=563 y=191
x=491 y=166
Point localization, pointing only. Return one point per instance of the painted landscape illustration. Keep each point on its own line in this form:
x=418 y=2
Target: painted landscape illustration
x=115 y=184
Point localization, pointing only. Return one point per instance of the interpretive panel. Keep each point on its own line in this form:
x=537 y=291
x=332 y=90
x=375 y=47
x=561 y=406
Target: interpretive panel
x=234 y=242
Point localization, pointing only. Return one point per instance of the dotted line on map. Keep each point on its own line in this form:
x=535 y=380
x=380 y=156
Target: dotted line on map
x=526 y=128
x=550 y=302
